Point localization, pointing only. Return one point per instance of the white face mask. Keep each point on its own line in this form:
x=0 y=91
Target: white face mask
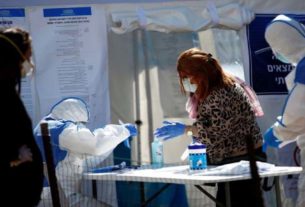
x=281 y=58
x=188 y=86
x=27 y=68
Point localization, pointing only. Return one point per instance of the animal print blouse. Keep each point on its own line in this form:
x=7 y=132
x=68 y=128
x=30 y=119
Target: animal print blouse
x=224 y=119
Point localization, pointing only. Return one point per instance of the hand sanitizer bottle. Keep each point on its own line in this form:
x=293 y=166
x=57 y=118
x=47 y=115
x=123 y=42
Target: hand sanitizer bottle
x=157 y=153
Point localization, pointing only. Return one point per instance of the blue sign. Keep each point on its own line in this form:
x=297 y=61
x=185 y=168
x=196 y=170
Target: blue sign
x=12 y=13
x=267 y=74
x=60 y=12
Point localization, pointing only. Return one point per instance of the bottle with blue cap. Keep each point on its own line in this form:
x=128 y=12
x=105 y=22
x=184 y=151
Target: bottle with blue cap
x=157 y=153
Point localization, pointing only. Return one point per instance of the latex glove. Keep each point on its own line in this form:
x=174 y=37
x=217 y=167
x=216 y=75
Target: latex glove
x=169 y=130
x=132 y=131
x=270 y=140
x=131 y=128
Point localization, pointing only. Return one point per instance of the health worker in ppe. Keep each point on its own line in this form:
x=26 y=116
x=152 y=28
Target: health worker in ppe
x=76 y=148
x=286 y=37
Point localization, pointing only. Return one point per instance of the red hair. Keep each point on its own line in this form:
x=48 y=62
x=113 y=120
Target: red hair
x=203 y=70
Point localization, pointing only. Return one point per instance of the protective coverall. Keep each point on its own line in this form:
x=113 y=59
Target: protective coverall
x=286 y=37
x=76 y=148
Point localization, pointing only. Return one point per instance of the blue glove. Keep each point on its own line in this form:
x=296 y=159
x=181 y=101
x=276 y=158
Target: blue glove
x=270 y=140
x=169 y=130
x=132 y=129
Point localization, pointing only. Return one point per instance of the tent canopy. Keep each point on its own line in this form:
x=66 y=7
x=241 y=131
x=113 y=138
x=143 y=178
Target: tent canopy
x=182 y=18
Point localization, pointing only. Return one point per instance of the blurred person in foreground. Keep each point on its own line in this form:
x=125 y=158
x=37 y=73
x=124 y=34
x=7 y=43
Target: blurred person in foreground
x=20 y=159
x=223 y=117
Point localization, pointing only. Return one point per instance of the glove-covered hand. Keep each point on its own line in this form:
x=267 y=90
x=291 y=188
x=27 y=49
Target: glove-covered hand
x=270 y=140
x=169 y=130
x=132 y=129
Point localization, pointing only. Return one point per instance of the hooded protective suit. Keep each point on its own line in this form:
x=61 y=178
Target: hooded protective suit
x=76 y=148
x=286 y=37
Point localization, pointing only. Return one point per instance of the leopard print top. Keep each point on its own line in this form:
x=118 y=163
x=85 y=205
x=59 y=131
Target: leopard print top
x=224 y=119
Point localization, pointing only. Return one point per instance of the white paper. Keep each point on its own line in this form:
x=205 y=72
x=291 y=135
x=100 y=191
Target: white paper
x=70 y=45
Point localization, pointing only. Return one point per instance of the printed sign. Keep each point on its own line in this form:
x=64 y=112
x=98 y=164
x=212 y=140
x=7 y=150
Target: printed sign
x=70 y=45
x=267 y=74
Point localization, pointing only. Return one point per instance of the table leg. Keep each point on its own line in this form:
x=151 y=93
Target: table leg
x=228 y=196
x=142 y=191
x=94 y=189
x=155 y=195
x=278 y=192
x=210 y=196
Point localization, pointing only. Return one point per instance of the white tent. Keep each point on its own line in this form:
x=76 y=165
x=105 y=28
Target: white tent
x=137 y=43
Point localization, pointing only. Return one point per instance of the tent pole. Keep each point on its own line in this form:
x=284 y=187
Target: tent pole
x=138 y=120
x=145 y=41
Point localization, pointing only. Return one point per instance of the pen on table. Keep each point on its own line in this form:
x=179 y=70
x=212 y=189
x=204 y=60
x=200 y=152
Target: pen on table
x=109 y=168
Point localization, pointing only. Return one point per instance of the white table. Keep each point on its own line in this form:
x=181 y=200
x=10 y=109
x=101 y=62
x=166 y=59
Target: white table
x=181 y=175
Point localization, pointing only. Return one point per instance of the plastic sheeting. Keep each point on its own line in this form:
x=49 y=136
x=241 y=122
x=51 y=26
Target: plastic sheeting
x=182 y=18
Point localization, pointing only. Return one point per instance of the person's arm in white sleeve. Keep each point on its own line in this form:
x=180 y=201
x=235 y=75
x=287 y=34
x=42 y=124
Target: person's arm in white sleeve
x=110 y=136
x=99 y=142
x=292 y=121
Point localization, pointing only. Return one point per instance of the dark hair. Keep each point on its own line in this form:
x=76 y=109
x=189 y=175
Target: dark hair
x=204 y=70
x=14 y=44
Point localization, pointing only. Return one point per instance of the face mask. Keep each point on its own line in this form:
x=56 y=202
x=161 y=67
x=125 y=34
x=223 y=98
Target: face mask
x=27 y=68
x=188 y=86
x=281 y=58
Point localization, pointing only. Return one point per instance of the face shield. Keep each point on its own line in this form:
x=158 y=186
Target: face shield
x=286 y=38
x=72 y=109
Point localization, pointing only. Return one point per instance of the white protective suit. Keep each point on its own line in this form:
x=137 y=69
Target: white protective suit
x=85 y=149
x=286 y=37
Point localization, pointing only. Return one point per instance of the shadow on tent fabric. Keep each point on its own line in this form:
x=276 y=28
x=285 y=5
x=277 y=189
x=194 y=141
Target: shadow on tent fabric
x=129 y=193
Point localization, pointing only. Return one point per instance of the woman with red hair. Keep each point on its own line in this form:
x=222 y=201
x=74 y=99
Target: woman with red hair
x=223 y=118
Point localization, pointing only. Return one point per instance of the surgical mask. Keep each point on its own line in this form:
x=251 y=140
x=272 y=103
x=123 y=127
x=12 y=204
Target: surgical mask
x=27 y=68
x=188 y=86
x=281 y=58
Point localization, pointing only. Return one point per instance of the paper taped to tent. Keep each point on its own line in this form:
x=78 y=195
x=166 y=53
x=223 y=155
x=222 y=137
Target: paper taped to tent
x=119 y=56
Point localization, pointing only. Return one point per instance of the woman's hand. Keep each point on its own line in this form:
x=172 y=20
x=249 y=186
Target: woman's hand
x=169 y=130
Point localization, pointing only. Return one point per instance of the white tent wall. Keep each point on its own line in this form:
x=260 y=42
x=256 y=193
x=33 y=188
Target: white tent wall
x=131 y=66
x=147 y=17
x=133 y=79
